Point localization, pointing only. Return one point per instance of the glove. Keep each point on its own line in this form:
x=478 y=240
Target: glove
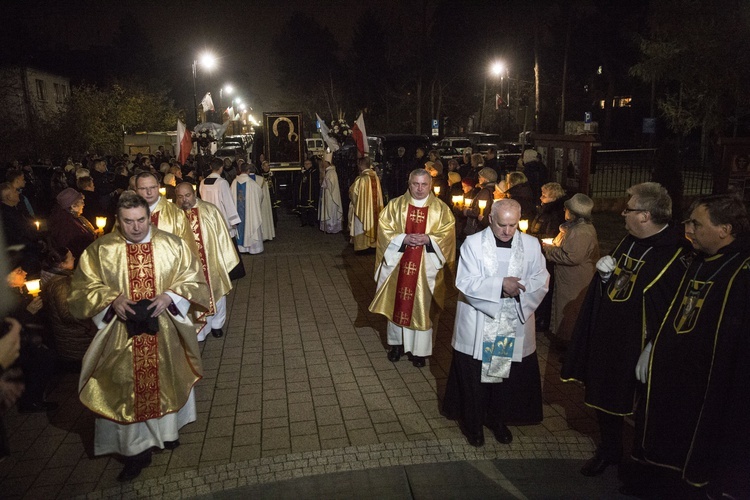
x=605 y=266
x=641 y=368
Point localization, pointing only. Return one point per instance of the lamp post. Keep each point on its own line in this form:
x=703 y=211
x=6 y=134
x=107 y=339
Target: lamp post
x=228 y=89
x=496 y=69
x=208 y=61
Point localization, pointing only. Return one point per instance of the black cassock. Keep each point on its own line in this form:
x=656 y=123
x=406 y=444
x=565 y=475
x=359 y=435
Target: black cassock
x=696 y=416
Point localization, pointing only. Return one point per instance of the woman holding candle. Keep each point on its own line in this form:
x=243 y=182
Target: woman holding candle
x=519 y=189
x=574 y=252
x=70 y=336
x=36 y=360
x=477 y=212
x=67 y=226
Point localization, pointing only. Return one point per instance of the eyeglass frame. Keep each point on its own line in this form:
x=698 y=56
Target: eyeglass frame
x=627 y=210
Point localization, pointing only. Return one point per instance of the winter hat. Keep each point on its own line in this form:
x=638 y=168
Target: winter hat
x=67 y=197
x=454 y=177
x=581 y=205
x=530 y=155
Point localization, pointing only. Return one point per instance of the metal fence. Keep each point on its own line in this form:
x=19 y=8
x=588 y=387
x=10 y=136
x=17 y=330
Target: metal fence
x=615 y=170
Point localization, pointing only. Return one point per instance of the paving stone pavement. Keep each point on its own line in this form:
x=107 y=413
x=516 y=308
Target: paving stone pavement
x=299 y=386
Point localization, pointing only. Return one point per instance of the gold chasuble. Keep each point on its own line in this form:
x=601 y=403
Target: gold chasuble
x=366 y=198
x=141 y=377
x=405 y=294
x=216 y=250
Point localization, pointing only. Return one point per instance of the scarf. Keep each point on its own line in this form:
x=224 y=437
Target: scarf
x=499 y=334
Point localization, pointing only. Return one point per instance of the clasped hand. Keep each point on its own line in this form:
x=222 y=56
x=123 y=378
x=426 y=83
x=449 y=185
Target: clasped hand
x=512 y=286
x=416 y=240
x=121 y=305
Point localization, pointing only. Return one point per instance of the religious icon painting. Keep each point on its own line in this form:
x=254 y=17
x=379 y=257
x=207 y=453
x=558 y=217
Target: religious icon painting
x=283 y=138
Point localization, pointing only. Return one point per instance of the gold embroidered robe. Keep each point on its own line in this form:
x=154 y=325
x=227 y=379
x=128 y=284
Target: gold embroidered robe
x=433 y=268
x=108 y=373
x=366 y=203
x=216 y=250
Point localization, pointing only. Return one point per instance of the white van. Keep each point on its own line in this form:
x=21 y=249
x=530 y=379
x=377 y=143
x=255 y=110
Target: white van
x=315 y=146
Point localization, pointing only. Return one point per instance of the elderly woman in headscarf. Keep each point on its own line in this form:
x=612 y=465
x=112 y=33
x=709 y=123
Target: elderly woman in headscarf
x=67 y=225
x=435 y=169
x=574 y=252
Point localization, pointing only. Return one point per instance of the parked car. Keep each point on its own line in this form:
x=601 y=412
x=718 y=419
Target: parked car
x=231 y=153
x=484 y=146
x=315 y=146
x=459 y=143
x=447 y=153
x=483 y=138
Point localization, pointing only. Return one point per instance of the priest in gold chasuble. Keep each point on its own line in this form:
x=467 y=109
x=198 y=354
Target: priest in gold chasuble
x=415 y=259
x=366 y=203
x=137 y=285
x=216 y=253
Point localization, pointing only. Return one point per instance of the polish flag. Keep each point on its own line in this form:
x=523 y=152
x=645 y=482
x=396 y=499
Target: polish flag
x=184 y=142
x=359 y=133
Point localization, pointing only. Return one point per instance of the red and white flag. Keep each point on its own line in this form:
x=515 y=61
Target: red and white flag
x=184 y=142
x=359 y=133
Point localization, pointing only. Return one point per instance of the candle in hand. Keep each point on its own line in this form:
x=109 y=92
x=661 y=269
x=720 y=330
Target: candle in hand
x=101 y=222
x=523 y=225
x=36 y=223
x=163 y=191
x=437 y=190
x=33 y=287
x=482 y=206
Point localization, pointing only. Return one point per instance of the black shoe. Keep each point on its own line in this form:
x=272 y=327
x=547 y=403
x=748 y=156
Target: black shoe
x=395 y=353
x=503 y=434
x=171 y=445
x=218 y=333
x=418 y=361
x=39 y=407
x=596 y=466
x=475 y=441
x=134 y=465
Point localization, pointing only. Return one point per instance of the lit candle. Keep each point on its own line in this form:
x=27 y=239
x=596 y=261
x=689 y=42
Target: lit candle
x=169 y=200
x=468 y=202
x=36 y=223
x=457 y=200
x=163 y=191
x=101 y=222
x=482 y=206
x=437 y=190
x=547 y=241
x=33 y=287
x=523 y=225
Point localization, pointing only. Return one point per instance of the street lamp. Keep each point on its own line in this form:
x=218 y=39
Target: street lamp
x=208 y=62
x=496 y=69
x=229 y=90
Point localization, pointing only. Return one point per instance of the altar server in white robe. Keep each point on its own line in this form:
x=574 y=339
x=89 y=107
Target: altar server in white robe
x=248 y=198
x=494 y=377
x=330 y=210
x=266 y=209
x=215 y=189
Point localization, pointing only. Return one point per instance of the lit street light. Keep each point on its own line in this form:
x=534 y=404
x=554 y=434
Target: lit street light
x=208 y=62
x=496 y=69
x=229 y=90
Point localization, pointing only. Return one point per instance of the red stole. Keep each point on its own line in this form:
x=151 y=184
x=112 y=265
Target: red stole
x=375 y=204
x=155 y=219
x=195 y=226
x=408 y=269
x=142 y=285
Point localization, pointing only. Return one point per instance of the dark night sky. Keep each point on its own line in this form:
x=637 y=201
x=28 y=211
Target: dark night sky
x=238 y=32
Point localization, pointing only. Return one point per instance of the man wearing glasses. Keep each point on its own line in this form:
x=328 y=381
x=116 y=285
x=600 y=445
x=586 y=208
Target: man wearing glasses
x=623 y=309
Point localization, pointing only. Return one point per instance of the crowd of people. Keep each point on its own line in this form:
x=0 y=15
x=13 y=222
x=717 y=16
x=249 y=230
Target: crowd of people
x=136 y=263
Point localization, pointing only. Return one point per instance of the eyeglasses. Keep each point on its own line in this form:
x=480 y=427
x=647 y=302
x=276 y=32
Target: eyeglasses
x=628 y=210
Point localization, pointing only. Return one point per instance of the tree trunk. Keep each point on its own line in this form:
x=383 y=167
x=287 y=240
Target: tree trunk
x=537 y=105
x=418 y=124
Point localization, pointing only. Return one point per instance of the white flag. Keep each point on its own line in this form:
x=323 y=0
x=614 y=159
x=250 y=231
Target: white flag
x=207 y=102
x=333 y=144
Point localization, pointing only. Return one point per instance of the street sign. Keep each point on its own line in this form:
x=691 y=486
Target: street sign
x=435 y=132
x=587 y=117
x=649 y=125
x=435 y=128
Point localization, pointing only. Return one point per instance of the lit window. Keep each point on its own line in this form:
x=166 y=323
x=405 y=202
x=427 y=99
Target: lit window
x=623 y=102
x=601 y=104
